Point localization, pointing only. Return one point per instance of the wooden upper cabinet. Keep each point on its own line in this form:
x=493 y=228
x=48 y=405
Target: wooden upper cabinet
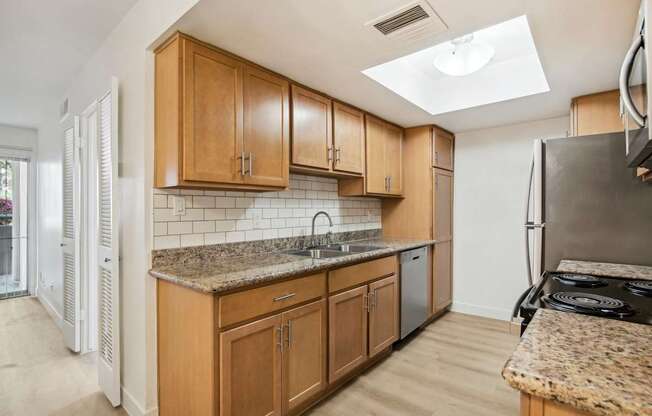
x=212 y=118
x=600 y=113
x=348 y=139
x=442 y=204
x=442 y=275
x=251 y=369
x=312 y=129
x=212 y=111
x=347 y=332
x=266 y=138
x=442 y=149
x=383 y=314
x=304 y=358
x=376 y=175
x=394 y=159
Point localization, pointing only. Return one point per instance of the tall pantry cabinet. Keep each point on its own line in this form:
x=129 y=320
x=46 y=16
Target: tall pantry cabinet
x=426 y=211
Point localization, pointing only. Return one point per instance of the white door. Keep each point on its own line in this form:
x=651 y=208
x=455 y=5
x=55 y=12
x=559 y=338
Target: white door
x=107 y=246
x=70 y=243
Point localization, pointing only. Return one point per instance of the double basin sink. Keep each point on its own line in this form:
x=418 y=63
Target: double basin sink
x=333 y=250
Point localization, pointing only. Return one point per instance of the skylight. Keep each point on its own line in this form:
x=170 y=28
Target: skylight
x=514 y=70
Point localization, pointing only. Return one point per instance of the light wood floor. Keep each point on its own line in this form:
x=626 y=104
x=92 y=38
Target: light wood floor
x=451 y=368
x=38 y=374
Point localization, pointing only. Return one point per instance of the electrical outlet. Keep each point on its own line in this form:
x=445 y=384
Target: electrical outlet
x=178 y=205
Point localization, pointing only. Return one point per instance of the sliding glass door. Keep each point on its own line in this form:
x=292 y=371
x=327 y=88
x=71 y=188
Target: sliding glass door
x=14 y=210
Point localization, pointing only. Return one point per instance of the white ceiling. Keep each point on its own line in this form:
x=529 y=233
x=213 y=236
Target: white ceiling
x=324 y=44
x=43 y=44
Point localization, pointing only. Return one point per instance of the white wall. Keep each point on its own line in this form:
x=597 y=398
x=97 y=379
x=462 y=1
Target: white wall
x=124 y=55
x=18 y=137
x=491 y=174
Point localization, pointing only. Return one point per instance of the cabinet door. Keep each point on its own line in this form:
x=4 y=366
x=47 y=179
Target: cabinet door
x=212 y=117
x=442 y=275
x=442 y=204
x=312 y=133
x=348 y=139
x=347 y=332
x=250 y=369
x=376 y=177
x=383 y=314
x=304 y=358
x=394 y=159
x=442 y=150
x=266 y=128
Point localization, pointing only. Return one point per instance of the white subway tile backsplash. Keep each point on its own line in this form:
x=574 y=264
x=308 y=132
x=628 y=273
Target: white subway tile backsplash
x=215 y=217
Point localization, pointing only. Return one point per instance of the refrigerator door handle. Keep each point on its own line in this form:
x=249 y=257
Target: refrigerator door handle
x=528 y=261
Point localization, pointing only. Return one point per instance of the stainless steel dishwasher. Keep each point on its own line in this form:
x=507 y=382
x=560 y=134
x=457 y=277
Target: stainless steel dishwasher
x=414 y=289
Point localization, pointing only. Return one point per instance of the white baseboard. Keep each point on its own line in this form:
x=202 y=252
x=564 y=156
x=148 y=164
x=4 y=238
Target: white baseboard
x=487 y=312
x=51 y=310
x=133 y=408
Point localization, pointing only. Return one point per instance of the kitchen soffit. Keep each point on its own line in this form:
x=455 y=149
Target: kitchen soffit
x=514 y=71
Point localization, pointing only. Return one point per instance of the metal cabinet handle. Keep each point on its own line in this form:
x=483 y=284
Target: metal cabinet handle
x=289 y=327
x=365 y=302
x=374 y=298
x=436 y=158
x=251 y=164
x=284 y=297
x=329 y=154
x=107 y=260
x=279 y=331
x=338 y=154
x=243 y=170
x=389 y=184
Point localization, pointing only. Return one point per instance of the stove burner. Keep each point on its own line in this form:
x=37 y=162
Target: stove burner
x=640 y=287
x=588 y=303
x=579 y=280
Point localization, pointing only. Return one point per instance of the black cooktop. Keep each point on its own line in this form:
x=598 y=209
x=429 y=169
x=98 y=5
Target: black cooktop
x=614 y=298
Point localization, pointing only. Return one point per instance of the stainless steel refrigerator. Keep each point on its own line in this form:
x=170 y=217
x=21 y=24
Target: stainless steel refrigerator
x=584 y=203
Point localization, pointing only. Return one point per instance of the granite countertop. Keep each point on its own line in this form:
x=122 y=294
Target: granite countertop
x=228 y=273
x=602 y=366
x=606 y=269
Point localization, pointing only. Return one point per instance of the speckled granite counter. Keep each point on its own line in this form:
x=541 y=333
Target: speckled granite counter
x=606 y=269
x=228 y=273
x=601 y=366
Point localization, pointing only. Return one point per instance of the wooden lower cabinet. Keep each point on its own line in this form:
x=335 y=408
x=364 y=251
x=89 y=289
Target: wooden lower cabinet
x=273 y=365
x=442 y=275
x=383 y=314
x=347 y=332
x=276 y=349
x=304 y=357
x=536 y=406
x=251 y=369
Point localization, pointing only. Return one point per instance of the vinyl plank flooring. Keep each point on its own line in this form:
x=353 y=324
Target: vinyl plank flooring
x=450 y=368
x=38 y=374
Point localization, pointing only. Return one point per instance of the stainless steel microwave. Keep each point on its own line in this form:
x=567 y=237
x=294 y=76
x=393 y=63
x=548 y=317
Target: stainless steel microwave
x=635 y=100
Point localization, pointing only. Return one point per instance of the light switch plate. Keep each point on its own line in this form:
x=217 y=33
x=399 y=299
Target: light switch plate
x=178 y=205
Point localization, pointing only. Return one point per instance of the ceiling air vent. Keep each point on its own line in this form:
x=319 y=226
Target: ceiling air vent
x=416 y=19
x=401 y=20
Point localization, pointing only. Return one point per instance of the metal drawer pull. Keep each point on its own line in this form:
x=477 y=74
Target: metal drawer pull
x=284 y=297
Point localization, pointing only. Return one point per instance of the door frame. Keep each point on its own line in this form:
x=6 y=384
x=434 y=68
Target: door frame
x=88 y=234
x=27 y=154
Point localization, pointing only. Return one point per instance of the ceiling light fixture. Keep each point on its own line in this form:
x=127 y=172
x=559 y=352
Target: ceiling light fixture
x=464 y=57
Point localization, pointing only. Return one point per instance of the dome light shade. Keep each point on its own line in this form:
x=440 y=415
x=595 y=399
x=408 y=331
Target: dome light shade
x=464 y=57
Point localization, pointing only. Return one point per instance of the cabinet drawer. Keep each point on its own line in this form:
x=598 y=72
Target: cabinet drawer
x=360 y=273
x=241 y=306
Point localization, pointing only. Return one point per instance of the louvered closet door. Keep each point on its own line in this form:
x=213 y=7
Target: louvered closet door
x=108 y=250
x=70 y=241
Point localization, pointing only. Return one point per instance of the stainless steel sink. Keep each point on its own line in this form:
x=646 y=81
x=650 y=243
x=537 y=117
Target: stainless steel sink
x=318 y=253
x=348 y=248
